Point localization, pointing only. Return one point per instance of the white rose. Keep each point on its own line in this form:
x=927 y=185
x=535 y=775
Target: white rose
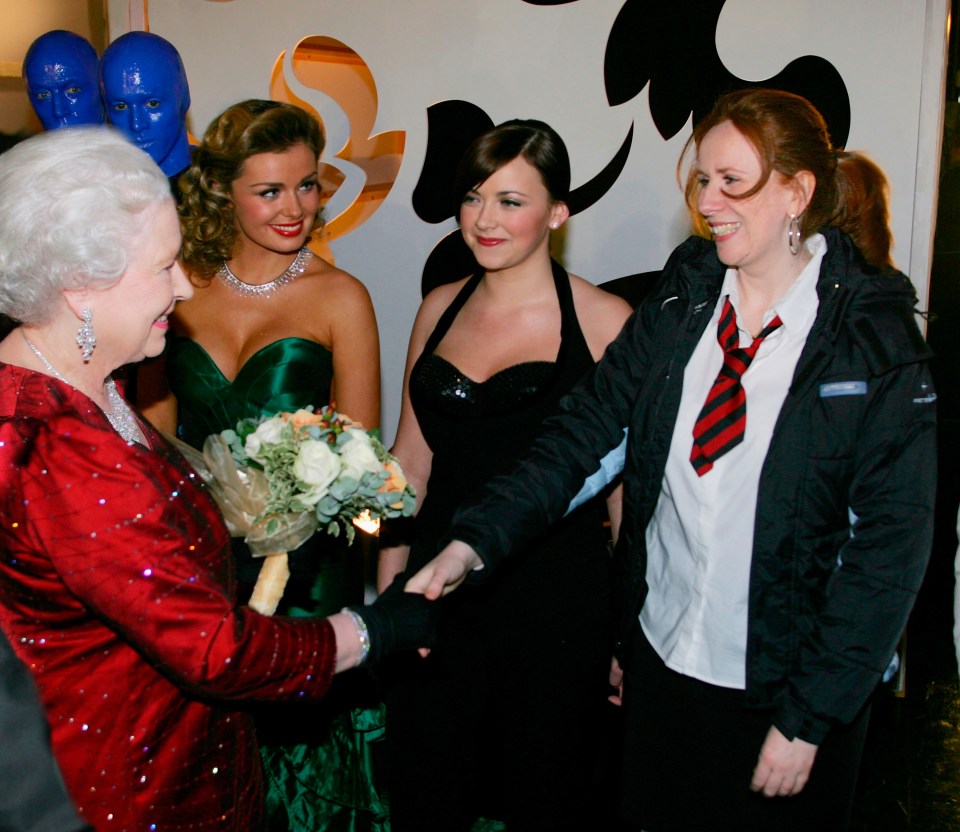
x=358 y=455
x=267 y=433
x=316 y=466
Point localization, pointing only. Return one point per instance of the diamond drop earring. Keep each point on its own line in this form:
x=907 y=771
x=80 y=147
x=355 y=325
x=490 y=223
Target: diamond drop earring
x=86 y=340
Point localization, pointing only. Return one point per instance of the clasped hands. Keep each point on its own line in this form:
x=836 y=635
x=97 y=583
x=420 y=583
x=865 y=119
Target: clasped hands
x=404 y=617
x=443 y=575
x=446 y=571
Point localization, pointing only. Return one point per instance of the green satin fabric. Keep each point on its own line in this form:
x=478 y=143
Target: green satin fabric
x=332 y=790
x=318 y=760
x=285 y=375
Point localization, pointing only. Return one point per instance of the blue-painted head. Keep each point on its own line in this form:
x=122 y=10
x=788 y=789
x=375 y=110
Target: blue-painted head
x=146 y=96
x=60 y=70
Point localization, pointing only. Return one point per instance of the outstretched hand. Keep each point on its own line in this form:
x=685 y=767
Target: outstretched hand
x=446 y=571
x=783 y=768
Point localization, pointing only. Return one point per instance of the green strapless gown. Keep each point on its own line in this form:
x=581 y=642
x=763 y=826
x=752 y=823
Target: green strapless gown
x=317 y=759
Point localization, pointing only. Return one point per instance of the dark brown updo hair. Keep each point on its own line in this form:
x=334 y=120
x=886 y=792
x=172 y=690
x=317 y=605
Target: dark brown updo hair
x=538 y=143
x=790 y=136
x=207 y=213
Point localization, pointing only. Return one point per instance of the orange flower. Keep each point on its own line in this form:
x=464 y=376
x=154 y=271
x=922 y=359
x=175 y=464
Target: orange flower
x=301 y=418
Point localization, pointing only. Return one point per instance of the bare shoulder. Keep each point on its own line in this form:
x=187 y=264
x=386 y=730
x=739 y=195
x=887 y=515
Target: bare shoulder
x=436 y=302
x=596 y=302
x=600 y=313
x=334 y=284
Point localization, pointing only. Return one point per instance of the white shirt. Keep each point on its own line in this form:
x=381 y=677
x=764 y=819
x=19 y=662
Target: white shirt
x=700 y=538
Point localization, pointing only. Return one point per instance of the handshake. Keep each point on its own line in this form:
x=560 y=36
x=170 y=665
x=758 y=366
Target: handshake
x=397 y=620
x=400 y=620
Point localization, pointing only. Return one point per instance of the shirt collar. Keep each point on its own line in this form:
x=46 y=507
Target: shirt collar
x=799 y=304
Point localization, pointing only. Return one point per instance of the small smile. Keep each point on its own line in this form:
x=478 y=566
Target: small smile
x=722 y=230
x=489 y=242
x=292 y=229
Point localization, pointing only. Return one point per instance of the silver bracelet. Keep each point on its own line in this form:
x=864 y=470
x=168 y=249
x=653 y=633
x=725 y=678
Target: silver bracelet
x=362 y=633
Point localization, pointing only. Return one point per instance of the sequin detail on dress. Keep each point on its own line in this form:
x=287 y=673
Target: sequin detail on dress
x=456 y=393
x=551 y=602
x=118 y=593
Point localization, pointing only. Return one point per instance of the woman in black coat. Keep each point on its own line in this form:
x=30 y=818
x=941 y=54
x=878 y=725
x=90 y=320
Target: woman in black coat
x=769 y=555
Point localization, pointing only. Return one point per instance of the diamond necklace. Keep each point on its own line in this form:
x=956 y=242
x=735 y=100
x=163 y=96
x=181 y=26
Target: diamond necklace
x=251 y=290
x=119 y=415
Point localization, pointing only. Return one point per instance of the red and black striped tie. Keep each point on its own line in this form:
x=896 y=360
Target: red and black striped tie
x=723 y=419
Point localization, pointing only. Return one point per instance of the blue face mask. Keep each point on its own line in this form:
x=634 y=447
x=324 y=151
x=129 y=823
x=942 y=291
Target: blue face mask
x=60 y=70
x=146 y=96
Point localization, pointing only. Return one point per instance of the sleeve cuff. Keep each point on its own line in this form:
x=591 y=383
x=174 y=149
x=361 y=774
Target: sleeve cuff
x=478 y=575
x=793 y=721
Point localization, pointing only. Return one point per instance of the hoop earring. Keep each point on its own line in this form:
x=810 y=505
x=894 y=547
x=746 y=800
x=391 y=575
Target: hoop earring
x=793 y=235
x=86 y=339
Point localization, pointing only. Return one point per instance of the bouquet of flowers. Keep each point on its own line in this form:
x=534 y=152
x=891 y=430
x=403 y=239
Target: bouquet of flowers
x=280 y=479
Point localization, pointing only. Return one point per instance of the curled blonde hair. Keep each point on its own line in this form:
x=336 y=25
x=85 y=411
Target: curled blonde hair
x=207 y=213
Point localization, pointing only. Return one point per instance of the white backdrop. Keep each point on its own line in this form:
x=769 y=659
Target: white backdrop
x=516 y=59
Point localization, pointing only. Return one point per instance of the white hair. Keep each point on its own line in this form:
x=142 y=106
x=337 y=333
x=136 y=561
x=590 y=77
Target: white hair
x=70 y=200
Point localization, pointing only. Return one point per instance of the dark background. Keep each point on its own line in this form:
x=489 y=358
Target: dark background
x=910 y=779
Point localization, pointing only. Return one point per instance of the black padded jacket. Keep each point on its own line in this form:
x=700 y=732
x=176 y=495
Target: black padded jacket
x=844 y=515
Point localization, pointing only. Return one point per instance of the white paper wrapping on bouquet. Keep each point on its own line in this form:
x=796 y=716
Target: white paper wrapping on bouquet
x=242 y=496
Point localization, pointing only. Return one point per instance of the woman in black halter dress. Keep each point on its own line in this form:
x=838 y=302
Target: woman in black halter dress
x=503 y=719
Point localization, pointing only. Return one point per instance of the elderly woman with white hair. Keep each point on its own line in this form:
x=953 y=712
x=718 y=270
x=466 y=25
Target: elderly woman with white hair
x=116 y=582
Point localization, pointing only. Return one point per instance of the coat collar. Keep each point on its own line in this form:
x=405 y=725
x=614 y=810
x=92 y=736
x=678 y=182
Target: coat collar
x=844 y=278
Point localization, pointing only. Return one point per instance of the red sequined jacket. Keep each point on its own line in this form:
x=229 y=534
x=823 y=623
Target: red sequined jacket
x=117 y=591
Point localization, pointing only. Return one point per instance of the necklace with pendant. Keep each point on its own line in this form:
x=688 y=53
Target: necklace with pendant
x=119 y=415
x=251 y=290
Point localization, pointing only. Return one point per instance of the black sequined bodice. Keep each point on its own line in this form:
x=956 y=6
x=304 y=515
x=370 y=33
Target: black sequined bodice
x=477 y=430
x=449 y=390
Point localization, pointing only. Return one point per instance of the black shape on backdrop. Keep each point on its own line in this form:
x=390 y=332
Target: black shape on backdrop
x=451 y=127
x=450 y=260
x=672 y=46
x=669 y=45
x=593 y=191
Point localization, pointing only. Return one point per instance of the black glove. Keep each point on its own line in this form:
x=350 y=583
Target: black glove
x=398 y=620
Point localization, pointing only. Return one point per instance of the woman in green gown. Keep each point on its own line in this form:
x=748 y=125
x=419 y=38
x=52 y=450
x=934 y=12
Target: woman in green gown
x=273 y=327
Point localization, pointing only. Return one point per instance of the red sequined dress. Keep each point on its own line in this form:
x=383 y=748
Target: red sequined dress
x=117 y=591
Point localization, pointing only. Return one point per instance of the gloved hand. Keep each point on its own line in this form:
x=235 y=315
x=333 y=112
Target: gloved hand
x=398 y=620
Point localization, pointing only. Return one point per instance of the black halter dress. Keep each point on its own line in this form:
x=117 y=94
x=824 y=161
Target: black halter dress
x=503 y=719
